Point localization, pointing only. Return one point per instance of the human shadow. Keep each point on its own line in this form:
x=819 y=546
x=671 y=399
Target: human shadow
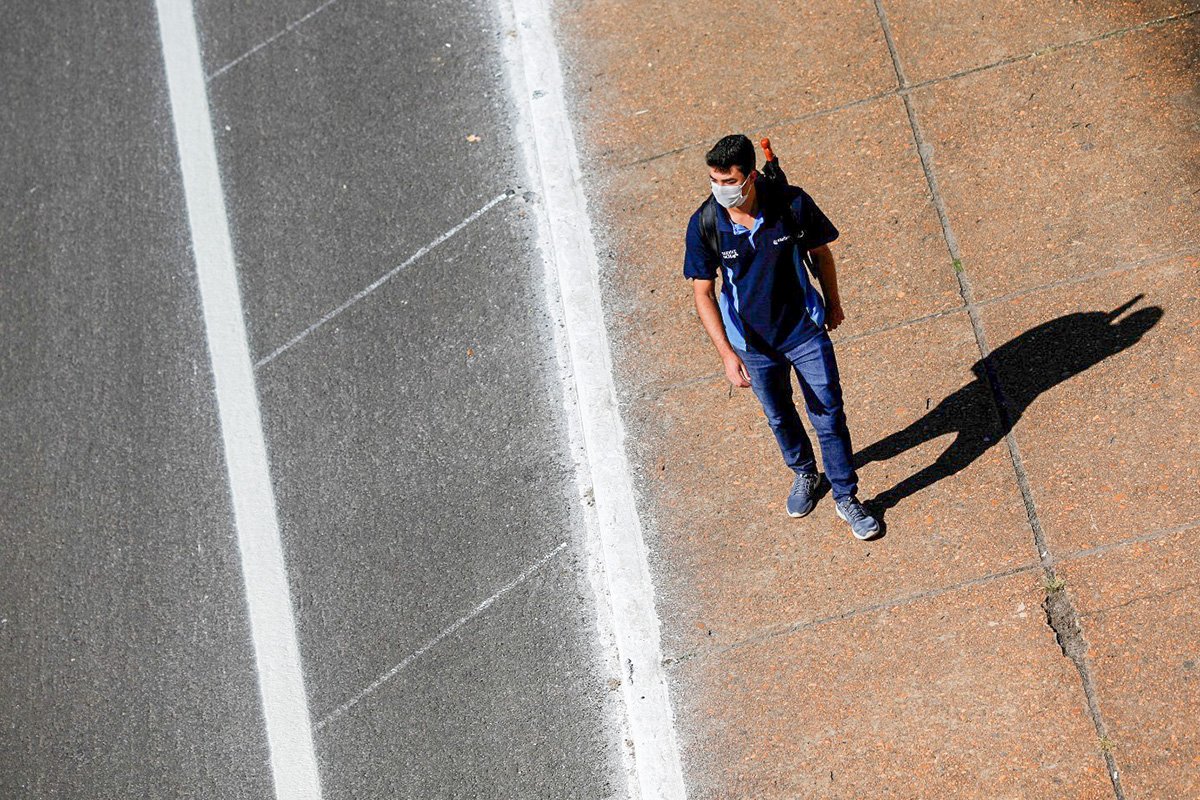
x=985 y=410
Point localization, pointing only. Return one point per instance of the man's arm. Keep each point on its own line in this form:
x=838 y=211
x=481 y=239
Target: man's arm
x=827 y=276
x=704 y=293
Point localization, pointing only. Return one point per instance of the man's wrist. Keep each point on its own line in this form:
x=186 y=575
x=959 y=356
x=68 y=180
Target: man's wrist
x=725 y=350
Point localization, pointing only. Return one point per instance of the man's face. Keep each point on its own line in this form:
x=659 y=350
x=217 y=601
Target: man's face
x=731 y=187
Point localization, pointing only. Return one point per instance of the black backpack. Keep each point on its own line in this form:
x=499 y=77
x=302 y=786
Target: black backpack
x=774 y=182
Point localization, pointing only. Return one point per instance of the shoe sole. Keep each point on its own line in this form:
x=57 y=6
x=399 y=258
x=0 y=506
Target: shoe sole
x=868 y=535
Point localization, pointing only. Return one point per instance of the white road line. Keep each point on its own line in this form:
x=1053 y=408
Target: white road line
x=411 y=657
x=270 y=39
x=571 y=263
x=272 y=627
x=387 y=275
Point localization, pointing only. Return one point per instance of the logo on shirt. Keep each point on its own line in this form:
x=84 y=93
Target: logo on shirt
x=729 y=254
x=781 y=239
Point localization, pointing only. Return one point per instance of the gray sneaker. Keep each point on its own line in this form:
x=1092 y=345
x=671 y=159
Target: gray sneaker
x=803 y=495
x=861 y=522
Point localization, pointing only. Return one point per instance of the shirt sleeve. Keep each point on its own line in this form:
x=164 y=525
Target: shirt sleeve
x=815 y=227
x=698 y=260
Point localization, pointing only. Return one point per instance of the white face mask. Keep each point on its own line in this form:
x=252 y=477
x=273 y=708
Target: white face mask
x=729 y=196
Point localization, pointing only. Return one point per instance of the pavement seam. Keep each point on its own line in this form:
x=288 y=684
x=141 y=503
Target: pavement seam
x=1054 y=48
x=1061 y=612
x=362 y=694
x=794 y=627
x=651 y=392
x=776 y=631
x=763 y=127
x=286 y=29
x=905 y=90
x=1157 y=594
x=1160 y=533
x=1149 y=261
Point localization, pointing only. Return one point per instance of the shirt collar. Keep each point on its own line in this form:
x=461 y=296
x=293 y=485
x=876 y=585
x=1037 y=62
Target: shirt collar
x=738 y=229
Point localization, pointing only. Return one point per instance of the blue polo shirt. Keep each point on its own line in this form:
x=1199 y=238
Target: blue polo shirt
x=768 y=301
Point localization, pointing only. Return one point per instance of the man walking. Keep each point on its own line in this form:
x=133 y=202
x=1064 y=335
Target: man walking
x=770 y=320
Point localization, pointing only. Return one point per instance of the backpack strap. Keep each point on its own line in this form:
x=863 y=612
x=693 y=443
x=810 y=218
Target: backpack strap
x=708 y=227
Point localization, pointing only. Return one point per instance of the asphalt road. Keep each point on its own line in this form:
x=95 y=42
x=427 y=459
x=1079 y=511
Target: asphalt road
x=417 y=441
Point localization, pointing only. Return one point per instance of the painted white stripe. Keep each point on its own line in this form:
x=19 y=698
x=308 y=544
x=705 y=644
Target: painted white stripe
x=463 y=620
x=277 y=654
x=270 y=39
x=571 y=264
x=386 y=276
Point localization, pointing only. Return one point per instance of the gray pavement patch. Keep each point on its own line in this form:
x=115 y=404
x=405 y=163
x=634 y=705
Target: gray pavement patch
x=273 y=629
x=286 y=29
x=385 y=277
x=126 y=669
x=463 y=620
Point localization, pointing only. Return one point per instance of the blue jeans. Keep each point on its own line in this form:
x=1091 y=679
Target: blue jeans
x=816 y=367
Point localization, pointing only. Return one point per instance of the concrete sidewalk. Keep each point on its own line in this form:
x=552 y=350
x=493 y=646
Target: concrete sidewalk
x=1017 y=182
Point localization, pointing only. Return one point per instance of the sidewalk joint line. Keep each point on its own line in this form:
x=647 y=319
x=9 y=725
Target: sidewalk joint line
x=1160 y=533
x=1052 y=49
x=775 y=631
x=1151 y=261
x=268 y=40
x=1061 y=613
x=1141 y=598
x=1084 y=277
x=1047 y=50
x=905 y=323
x=653 y=393
x=383 y=278
x=413 y=656
x=766 y=126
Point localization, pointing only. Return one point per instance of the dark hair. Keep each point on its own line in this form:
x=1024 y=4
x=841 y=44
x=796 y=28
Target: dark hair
x=735 y=150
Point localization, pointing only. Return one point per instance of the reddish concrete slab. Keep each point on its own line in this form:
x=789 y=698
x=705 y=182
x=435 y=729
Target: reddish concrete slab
x=964 y=695
x=1079 y=160
x=649 y=77
x=1139 y=605
x=807 y=664
x=733 y=565
x=861 y=167
x=940 y=38
x=1106 y=407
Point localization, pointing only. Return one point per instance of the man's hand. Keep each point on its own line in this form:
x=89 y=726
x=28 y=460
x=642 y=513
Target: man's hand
x=834 y=316
x=736 y=372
